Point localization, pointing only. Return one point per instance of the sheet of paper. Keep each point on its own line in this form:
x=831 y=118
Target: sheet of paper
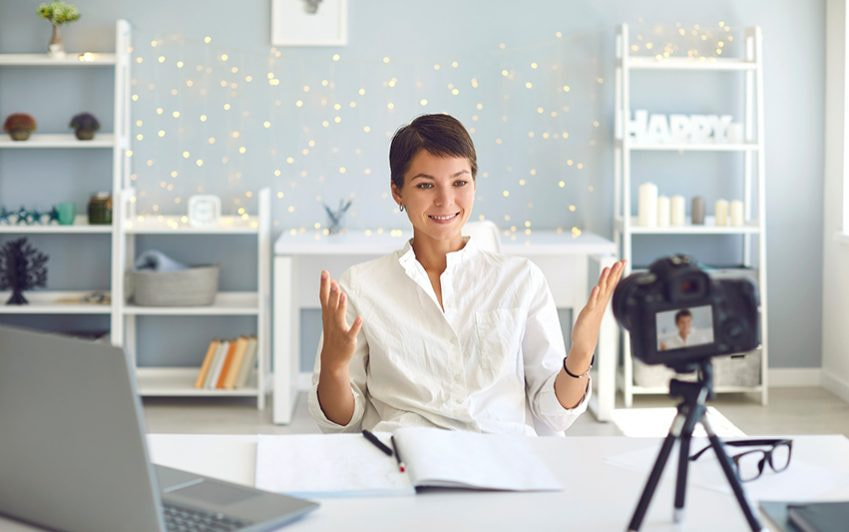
x=327 y=465
x=437 y=457
x=801 y=481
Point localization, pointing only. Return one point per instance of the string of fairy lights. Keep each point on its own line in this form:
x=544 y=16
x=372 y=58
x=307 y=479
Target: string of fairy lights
x=314 y=124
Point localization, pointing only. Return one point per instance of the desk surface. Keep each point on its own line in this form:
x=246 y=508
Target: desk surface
x=367 y=242
x=596 y=495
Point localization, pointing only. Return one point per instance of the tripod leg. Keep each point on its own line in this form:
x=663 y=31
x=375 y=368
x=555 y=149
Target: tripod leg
x=654 y=476
x=681 y=482
x=733 y=479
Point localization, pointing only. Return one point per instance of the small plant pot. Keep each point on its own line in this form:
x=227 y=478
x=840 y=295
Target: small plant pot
x=19 y=134
x=84 y=134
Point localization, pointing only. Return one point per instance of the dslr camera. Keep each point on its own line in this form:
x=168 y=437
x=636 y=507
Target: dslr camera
x=678 y=315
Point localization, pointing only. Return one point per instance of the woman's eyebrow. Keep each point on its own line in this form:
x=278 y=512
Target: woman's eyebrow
x=427 y=176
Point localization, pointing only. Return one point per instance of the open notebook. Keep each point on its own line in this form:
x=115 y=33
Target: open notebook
x=346 y=465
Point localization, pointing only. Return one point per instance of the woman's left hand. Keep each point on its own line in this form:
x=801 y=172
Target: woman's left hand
x=586 y=329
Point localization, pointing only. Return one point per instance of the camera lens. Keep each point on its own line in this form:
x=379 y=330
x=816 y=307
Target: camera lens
x=623 y=299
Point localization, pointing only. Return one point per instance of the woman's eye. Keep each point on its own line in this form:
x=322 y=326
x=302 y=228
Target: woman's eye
x=424 y=186
x=460 y=183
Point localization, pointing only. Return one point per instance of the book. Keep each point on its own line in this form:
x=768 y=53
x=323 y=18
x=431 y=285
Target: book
x=218 y=361
x=247 y=363
x=236 y=363
x=819 y=516
x=207 y=362
x=225 y=366
x=348 y=465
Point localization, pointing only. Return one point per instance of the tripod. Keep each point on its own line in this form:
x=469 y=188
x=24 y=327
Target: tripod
x=691 y=411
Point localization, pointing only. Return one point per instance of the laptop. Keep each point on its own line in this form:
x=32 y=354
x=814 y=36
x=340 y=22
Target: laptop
x=73 y=454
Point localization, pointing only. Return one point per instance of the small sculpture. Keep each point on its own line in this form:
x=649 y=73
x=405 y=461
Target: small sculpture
x=19 y=126
x=84 y=124
x=22 y=267
x=337 y=215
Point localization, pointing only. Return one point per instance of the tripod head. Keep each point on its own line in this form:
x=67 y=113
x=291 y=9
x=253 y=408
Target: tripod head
x=690 y=391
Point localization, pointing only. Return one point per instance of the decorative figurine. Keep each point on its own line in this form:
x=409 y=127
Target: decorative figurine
x=336 y=216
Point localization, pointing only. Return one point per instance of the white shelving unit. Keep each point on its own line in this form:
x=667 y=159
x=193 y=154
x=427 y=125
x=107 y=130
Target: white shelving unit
x=179 y=381
x=752 y=189
x=54 y=302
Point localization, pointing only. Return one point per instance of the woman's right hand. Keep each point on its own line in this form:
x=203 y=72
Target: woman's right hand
x=340 y=340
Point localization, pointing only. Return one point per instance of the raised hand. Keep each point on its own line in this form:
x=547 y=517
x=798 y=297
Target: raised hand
x=587 y=326
x=340 y=340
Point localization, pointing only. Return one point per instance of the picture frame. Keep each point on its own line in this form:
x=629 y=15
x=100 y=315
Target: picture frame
x=309 y=22
x=204 y=210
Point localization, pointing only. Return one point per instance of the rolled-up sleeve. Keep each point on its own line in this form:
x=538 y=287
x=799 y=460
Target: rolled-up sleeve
x=543 y=350
x=357 y=370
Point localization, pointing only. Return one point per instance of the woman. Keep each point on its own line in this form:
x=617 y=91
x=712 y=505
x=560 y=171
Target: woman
x=441 y=333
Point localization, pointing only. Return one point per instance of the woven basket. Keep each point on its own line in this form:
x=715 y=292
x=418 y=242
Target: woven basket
x=196 y=286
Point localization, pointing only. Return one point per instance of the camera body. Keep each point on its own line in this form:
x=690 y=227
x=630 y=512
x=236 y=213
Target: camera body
x=678 y=315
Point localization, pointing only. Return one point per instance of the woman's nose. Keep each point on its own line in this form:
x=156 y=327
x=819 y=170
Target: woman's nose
x=443 y=196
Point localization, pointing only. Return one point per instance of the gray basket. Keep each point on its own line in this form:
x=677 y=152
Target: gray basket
x=196 y=286
x=735 y=370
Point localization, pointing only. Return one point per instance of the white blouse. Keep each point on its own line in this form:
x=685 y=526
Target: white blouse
x=487 y=363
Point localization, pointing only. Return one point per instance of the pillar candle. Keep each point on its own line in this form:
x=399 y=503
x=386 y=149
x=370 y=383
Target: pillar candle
x=647 y=205
x=697 y=211
x=737 y=213
x=721 y=213
x=677 y=213
x=663 y=211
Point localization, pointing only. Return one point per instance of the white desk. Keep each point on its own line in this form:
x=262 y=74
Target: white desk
x=571 y=265
x=597 y=496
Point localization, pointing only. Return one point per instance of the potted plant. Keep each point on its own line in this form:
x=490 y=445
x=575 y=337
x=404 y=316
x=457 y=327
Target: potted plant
x=58 y=13
x=19 y=126
x=84 y=124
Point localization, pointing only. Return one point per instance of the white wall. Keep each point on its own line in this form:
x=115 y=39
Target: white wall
x=835 y=309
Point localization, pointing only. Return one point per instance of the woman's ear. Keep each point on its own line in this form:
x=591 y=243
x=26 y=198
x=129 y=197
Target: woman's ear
x=396 y=193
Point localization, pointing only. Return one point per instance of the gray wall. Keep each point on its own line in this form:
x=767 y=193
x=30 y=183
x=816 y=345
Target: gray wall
x=415 y=38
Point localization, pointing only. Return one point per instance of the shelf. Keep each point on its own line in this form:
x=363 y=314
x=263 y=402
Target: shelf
x=80 y=225
x=688 y=63
x=82 y=59
x=47 y=302
x=179 y=382
x=226 y=304
x=51 y=140
x=171 y=224
x=664 y=390
x=691 y=146
x=707 y=229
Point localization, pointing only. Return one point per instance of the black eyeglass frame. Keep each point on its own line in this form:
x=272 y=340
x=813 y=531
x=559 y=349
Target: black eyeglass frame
x=767 y=454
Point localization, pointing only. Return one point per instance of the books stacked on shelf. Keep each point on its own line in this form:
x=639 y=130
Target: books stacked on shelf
x=227 y=364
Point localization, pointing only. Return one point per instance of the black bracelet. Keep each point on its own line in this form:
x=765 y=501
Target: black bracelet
x=584 y=374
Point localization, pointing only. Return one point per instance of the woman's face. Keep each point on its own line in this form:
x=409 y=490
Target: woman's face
x=438 y=194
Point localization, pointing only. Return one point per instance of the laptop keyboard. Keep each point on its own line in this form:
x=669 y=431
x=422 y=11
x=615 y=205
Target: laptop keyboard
x=180 y=519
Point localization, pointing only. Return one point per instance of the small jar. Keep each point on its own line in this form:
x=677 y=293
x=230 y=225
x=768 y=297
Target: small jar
x=100 y=209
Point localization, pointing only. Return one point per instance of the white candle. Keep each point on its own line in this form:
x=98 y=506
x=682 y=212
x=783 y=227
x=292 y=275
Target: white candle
x=647 y=205
x=721 y=213
x=737 y=213
x=677 y=211
x=663 y=211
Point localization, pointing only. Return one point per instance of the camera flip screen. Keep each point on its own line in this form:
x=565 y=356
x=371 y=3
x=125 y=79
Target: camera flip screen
x=684 y=327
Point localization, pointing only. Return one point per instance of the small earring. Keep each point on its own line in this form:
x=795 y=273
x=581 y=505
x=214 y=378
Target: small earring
x=401 y=207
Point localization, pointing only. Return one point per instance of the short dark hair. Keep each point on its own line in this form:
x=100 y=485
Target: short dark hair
x=439 y=134
x=683 y=313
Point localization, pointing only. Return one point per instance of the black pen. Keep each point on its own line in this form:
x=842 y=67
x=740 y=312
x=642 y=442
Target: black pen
x=377 y=443
x=401 y=466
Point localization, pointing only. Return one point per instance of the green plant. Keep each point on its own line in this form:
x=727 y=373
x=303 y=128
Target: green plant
x=85 y=121
x=58 y=13
x=19 y=122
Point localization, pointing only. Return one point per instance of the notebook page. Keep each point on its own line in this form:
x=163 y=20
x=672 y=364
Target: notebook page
x=327 y=465
x=443 y=458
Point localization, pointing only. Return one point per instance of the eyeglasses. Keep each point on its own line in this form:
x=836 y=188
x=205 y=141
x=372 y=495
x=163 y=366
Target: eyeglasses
x=750 y=464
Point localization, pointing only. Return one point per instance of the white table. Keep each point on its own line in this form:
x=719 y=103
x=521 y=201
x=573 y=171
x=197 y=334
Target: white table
x=571 y=265
x=597 y=496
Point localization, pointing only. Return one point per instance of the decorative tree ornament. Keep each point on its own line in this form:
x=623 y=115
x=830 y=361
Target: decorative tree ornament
x=22 y=267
